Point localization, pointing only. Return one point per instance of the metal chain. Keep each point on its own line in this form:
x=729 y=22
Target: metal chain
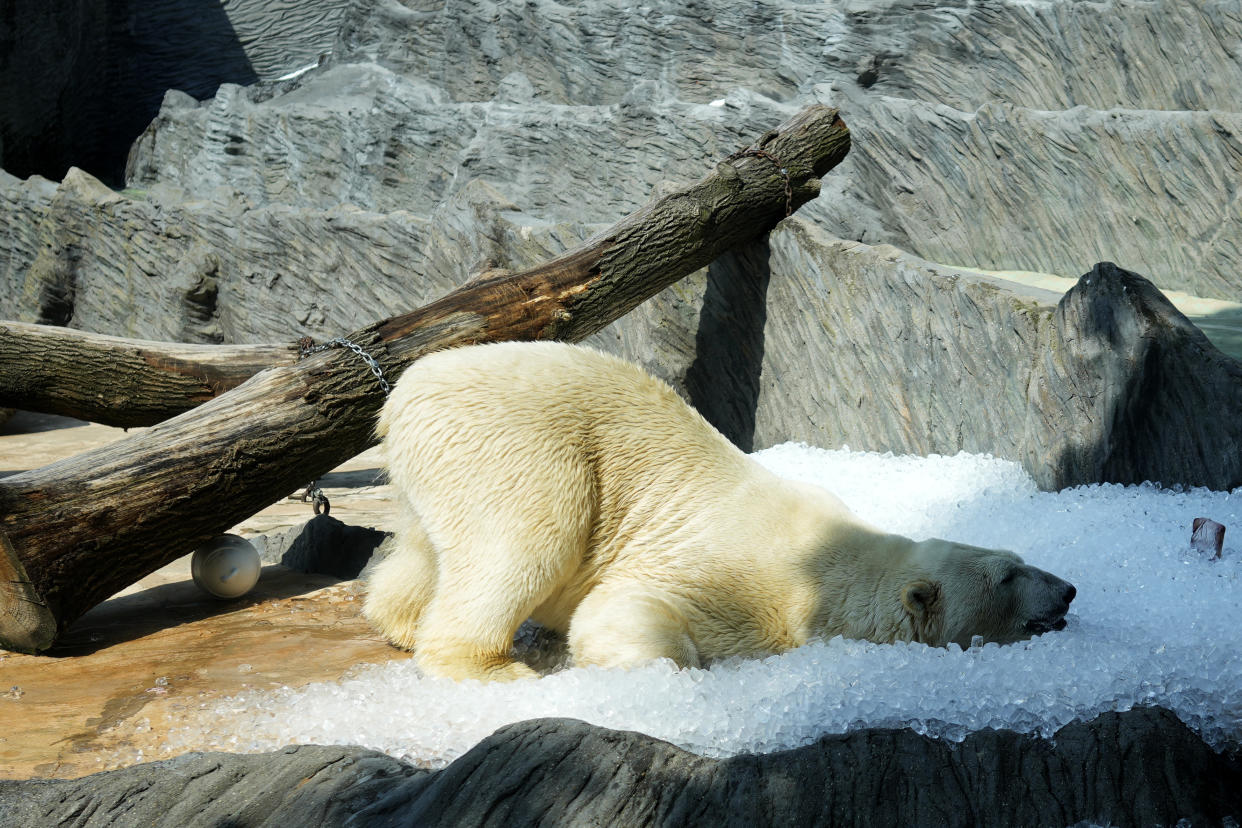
x=784 y=171
x=307 y=347
x=318 y=500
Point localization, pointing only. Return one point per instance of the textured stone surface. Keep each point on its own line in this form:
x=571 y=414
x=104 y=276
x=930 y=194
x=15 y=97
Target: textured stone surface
x=1045 y=54
x=1108 y=383
x=1143 y=767
x=1150 y=397
x=955 y=158
x=139 y=265
x=82 y=79
x=1008 y=188
x=441 y=135
x=964 y=344
x=322 y=545
x=1034 y=135
x=359 y=133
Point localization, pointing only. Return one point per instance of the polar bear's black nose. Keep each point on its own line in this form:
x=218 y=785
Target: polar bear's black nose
x=1059 y=587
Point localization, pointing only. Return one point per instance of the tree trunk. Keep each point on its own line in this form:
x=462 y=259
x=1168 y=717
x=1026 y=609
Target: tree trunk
x=120 y=382
x=75 y=532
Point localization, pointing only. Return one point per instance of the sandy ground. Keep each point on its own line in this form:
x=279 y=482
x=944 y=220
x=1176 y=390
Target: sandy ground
x=129 y=669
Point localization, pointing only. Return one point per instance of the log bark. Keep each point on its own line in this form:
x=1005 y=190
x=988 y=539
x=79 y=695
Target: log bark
x=74 y=532
x=120 y=382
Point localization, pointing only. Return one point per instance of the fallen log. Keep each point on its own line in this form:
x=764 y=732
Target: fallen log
x=74 y=532
x=120 y=382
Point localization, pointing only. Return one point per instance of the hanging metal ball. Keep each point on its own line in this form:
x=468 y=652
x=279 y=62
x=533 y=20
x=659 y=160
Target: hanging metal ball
x=227 y=566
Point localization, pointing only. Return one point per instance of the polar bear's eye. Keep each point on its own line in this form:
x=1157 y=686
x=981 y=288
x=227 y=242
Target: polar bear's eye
x=1009 y=576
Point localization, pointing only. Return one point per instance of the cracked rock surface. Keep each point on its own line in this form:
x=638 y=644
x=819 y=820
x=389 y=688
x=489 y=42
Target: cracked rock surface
x=437 y=136
x=441 y=136
x=1143 y=767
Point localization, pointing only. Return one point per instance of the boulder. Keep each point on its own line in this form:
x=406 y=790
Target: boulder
x=323 y=546
x=1142 y=767
x=1108 y=383
x=1145 y=394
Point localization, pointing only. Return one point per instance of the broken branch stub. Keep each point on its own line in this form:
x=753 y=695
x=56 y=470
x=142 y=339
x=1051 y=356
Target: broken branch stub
x=77 y=531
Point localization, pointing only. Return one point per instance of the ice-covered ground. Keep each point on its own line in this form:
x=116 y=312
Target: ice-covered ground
x=1153 y=623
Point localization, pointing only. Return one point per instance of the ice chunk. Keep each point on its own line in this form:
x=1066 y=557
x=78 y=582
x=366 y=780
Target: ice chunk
x=1150 y=625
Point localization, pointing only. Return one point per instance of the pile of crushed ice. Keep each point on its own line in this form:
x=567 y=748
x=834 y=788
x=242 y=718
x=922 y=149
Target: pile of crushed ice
x=1153 y=623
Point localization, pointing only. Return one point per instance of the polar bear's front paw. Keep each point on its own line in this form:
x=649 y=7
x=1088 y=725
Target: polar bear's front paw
x=512 y=671
x=460 y=666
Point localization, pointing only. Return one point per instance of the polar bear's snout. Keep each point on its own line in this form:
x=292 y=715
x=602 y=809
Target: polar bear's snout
x=1053 y=597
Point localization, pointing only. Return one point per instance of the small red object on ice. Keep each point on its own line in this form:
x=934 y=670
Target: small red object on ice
x=1207 y=536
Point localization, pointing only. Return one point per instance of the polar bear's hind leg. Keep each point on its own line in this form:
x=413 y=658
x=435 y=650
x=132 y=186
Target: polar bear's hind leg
x=468 y=628
x=401 y=585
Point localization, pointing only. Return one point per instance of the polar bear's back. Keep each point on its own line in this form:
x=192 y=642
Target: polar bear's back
x=531 y=372
x=562 y=427
x=544 y=388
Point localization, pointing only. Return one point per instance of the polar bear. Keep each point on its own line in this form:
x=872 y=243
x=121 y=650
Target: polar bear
x=549 y=481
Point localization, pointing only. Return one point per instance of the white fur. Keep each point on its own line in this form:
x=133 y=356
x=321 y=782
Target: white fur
x=556 y=482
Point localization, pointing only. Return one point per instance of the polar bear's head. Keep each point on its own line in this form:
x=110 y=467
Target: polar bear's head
x=960 y=591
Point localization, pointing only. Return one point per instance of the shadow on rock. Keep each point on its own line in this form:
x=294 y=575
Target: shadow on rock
x=323 y=545
x=1142 y=767
x=1146 y=395
x=723 y=380
x=86 y=79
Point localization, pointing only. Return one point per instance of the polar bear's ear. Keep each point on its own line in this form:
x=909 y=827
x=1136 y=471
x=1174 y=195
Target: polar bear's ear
x=921 y=598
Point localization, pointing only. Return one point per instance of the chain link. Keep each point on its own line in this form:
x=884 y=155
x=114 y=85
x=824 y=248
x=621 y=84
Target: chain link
x=316 y=498
x=307 y=347
x=781 y=168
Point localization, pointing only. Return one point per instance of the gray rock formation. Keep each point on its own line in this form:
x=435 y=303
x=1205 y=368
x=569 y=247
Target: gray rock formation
x=1140 y=768
x=323 y=545
x=440 y=135
x=1108 y=383
x=1156 y=396
x=1035 y=54
x=1011 y=135
x=362 y=134
x=1009 y=188
x=955 y=157
x=82 y=79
